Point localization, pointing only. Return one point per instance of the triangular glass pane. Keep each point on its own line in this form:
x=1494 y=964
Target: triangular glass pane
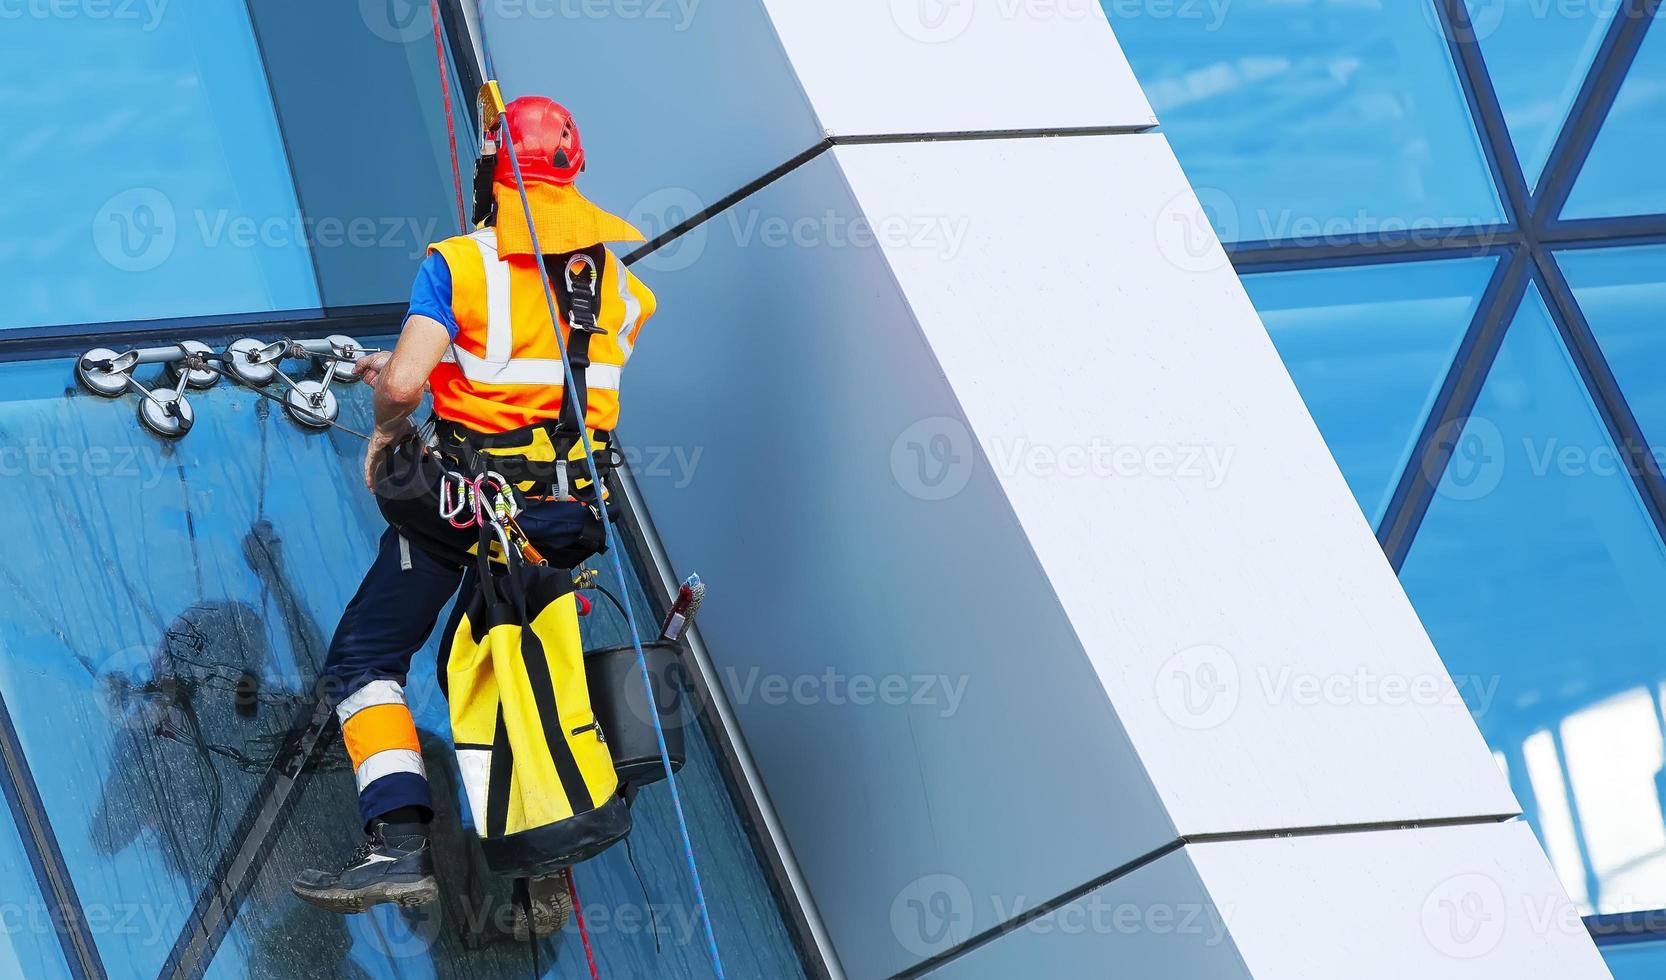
x=1369 y=346
x=1622 y=177
x=1538 y=574
x=1623 y=291
x=1537 y=61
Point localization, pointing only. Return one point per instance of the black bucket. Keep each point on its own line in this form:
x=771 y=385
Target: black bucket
x=621 y=707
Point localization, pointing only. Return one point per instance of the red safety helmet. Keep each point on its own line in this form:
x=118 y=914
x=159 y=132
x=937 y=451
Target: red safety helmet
x=546 y=142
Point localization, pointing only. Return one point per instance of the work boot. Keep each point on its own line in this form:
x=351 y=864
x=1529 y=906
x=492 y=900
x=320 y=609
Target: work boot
x=551 y=906
x=394 y=865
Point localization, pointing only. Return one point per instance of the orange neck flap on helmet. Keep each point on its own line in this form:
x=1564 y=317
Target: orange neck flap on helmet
x=566 y=221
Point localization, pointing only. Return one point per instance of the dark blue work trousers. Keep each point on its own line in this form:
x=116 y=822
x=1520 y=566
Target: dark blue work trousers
x=387 y=622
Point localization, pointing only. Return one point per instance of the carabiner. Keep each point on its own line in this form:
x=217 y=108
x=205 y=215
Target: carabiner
x=457 y=495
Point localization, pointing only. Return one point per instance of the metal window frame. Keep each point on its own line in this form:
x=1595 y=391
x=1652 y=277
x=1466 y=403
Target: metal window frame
x=1531 y=233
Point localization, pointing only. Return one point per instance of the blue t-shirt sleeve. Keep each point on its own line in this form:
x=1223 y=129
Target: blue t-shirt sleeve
x=431 y=293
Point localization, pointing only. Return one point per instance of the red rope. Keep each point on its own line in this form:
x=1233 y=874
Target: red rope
x=450 y=123
x=583 y=932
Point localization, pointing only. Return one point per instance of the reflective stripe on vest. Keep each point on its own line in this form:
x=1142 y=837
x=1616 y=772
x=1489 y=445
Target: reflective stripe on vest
x=479 y=388
x=530 y=371
x=496 y=368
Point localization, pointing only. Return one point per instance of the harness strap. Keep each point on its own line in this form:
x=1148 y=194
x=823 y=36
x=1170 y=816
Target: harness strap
x=467 y=449
x=576 y=277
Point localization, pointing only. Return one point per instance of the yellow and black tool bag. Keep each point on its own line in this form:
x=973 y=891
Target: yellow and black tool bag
x=534 y=761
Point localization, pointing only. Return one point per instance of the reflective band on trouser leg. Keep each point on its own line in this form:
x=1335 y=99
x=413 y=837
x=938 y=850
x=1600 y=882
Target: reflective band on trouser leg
x=381 y=739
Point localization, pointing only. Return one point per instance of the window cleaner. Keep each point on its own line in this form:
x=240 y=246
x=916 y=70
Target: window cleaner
x=509 y=447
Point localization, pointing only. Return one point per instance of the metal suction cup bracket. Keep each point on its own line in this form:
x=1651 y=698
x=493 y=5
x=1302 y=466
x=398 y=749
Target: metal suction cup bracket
x=254 y=363
x=194 y=368
x=166 y=413
x=312 y=404
x=104 y=372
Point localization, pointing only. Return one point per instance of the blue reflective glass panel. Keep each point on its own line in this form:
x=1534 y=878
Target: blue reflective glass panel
x=144 y=580
x=1640 y=961
x=1623 y=293
x=1312 y=122
x=1539 y=575
x=1369 y=347
x=1538 y=55
x=148 y=579
x=367 y=138
x=1620 y=177
x=29 y=945
x=145 y=175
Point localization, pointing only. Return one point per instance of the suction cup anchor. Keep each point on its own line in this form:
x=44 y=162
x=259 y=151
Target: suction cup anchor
x=254 y=363
x=166 y=413
x=312 y=404
x=347 y=352
x=104 y=372
x=194 y=368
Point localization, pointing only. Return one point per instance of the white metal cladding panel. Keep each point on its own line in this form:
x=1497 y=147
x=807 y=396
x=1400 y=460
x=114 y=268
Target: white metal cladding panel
x=680 y=103
x=1477 y=903
x=875 y=67
x=1240 y=614
x=915 y=698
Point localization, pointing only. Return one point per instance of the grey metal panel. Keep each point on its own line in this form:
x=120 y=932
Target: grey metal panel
x=775 y=413
x=1237 y=609
x=884 y=67
x=1477 y=902
x=680 y=102
x=1156 y=923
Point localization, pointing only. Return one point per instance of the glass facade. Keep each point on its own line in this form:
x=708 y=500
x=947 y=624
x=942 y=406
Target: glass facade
x=1614 y=181
x=143 y=172
x=1369 y=346
x=1312 y=121
x=1537 y=63
x=1493 y=383
x=231 y=553
x=194 y=165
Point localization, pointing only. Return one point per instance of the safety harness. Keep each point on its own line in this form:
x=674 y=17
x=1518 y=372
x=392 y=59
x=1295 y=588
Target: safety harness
x=539 y=458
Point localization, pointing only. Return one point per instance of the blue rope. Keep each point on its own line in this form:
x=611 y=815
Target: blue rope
x=613 y=550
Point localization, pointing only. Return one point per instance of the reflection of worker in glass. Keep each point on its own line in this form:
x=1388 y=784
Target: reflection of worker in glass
x=198 y=732
x=479 y=336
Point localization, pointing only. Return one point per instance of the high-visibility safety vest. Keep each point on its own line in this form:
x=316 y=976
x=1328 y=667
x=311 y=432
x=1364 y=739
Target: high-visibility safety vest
x=504 y=369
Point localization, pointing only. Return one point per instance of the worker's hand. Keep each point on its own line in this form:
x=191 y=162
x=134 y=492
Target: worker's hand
x=380 y=442
x=371 y=366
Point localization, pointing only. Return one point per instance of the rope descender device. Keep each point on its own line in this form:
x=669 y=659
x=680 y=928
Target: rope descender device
x=193 y=365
